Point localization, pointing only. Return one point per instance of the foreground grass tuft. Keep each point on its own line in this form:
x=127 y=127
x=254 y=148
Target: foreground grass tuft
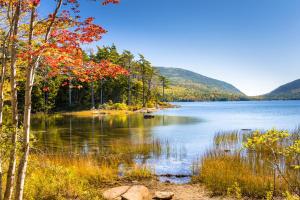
x=222 y=172
x=51 y=180
x=139 y=173
x=255 y=164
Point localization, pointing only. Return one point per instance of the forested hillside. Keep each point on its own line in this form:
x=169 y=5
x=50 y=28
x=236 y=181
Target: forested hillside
x=185 y=85
x=287 y=91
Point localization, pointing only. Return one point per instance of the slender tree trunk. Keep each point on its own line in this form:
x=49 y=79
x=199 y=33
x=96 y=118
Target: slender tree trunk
x=93 y=95
x=70 y=93
x=26 y=130
x=14 y=104
x=32 y=66
x=46 y=102
x=3 y=71
x=149 y=89
x=101 y=91
x=129 y=88
x=144 y=103
x=163 y=90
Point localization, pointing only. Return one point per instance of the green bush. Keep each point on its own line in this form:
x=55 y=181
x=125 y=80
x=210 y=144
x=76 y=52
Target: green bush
x=119 y=106
x=150 y=105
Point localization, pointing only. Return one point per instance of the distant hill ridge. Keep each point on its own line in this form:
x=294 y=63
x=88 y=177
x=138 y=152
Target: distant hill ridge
x=186 y=76
x=186 y=85
x=289 y=90
x=197 y=87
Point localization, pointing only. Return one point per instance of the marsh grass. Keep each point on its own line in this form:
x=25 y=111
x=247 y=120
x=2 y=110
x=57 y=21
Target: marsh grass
x=228 y=164
x=70 y=176
x=74 y=177
x=139 y=172
x=55 y=178
x=222 y=171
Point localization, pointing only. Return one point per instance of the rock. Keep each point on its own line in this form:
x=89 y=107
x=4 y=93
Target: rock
x=148 y=116
x=114 y=193
x=163 y=195
x=137 y=192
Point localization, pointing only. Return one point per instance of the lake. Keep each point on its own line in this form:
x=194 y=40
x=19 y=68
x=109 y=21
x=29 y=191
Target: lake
x=188 y=130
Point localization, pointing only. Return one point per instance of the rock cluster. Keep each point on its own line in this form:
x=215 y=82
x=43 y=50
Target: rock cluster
x=136 y=192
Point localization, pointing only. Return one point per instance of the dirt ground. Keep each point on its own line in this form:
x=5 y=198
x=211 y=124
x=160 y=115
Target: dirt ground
x=181 y=191
x=184 y=192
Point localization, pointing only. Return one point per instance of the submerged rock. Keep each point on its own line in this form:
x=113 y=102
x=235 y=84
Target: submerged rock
x=137 y=192
x=163 y=195
x=115 y=193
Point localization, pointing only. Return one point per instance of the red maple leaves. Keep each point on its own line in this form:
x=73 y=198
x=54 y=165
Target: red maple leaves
x=62 y=51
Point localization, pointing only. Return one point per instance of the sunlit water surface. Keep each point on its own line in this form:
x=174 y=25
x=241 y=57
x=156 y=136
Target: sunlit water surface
x=188 y=130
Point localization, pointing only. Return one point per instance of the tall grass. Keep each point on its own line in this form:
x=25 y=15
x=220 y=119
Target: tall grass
x=229 y=165
x=70 y=176
x=52 y=178
x=220 y=172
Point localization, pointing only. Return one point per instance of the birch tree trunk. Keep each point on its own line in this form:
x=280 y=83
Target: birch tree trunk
x=26 y=129
x=14 y=105
x=27 y=111
x=2 y=74
x=30 y=73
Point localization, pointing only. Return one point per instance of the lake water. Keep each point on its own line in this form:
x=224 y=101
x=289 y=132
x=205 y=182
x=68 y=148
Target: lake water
x=189 y=130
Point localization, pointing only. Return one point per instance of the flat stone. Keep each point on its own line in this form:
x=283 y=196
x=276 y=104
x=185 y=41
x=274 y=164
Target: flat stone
x=163 y=195
x=137 y=192
x=114 y=193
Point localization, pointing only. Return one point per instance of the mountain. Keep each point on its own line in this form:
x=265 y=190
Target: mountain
x=186 y=85
x=287 y=91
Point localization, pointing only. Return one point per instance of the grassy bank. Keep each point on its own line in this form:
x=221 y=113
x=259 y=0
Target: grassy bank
x=55 y=176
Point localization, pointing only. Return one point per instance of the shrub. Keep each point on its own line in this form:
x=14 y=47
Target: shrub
x=119 y=106
x=150 y=104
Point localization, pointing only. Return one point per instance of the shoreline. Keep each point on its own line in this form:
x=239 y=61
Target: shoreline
x=112 y=112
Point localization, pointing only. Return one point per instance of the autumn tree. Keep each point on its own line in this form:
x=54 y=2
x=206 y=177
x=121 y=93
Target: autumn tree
x=54 y=41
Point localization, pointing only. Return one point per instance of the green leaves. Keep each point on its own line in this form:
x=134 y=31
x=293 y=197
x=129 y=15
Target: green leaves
x=268 y=138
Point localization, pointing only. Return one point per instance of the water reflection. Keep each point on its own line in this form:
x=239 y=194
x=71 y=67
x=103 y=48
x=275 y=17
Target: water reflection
x=184 y=139
x=94 y=134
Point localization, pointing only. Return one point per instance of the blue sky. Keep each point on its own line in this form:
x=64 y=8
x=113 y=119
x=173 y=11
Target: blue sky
x=253 y=44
